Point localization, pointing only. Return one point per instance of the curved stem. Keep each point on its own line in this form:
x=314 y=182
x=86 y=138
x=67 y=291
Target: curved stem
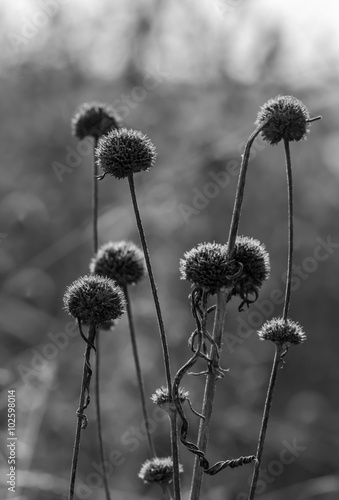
x=153 y=286
x=98 y=414
x=209 y=394
x=166 y=357
x=290 y=229
x=138 y=371
x=83 y=403
x=240 y=189
x=266 y=415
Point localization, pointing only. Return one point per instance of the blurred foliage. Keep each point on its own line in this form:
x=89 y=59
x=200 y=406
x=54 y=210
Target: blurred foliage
x=218 y=66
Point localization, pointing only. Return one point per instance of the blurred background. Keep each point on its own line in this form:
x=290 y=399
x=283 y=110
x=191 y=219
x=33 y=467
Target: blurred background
x=192 y=76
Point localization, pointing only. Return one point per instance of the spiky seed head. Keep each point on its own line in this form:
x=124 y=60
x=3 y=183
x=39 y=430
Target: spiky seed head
x=279 y=331
x=94 y=119
x=94 y=300
x=207 y=265
x=121 y=261
x=123 y=152
x=158 y=470
x=161 y=398
x=254 y=258
x=287 y=119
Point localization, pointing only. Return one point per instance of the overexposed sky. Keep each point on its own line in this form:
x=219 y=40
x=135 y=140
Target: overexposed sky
x=307 y=31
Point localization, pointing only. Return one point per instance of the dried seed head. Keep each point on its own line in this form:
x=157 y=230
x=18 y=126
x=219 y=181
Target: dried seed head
x=161 y=398
x=288 y=119
x=158 y=470
x=207 y=265
x=282 y=332
x=94 y=300
x=253 y=257
x=94 y=119
x=121 y=261
x=125 y=152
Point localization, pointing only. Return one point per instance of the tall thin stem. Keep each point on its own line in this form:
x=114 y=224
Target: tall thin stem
x=95 y=204
x=266 y=415
x=175 y=453
x=241 y=189
x=138 y=371
x=290 y=229
x=95 y=199
x=222 y=298
x=166 y=357
x=153 y=287
x=98 y=415
x=210 y=389
x=83 y=403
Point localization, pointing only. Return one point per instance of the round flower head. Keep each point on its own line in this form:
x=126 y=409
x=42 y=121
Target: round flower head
x=121 y=261
x=123 y=152
x=158 y=470
x=253 y=257
x=94 y=300
x=94 y=119
x=281 y=332
x=161 y=397
x=288 y=119
x=207 y=266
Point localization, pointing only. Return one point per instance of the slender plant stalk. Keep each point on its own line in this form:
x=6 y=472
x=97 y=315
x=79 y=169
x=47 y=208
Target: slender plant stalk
x=98 y=415
x=138 y=371
x=175 y=453
x=83 y=402
x=153 y=287
x=95 y=203
x=174 y=434
x=279 y=347
x=241 y=189
x=210 y=388
x=222 y=298
x=95 y=200
x=290 y=229
x=266 y=415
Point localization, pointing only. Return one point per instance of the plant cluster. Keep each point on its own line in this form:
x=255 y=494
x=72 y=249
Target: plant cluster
x=218 y=272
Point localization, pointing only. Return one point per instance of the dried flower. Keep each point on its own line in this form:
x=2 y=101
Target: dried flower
x=288 y=119
x=125 y=152
x=282 y=332
x=94 y=119
x=253 y=257
x=161 y=398
x=121 y=261
x=94 y=300
x=208 y=266
x=158 y=470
